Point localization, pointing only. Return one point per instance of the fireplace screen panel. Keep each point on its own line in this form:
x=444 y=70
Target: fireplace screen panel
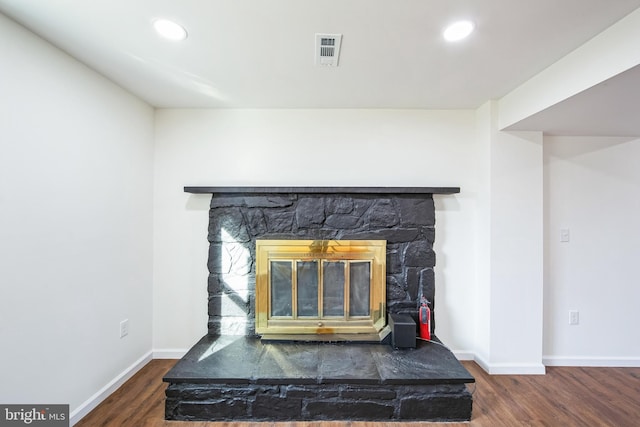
x=359 y=295
x=326 y=301
x=307 y=289
x=333 y=288
x=281 y=287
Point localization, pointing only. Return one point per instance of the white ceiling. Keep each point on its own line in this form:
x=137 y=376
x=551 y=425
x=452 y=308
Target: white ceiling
x=260 y=54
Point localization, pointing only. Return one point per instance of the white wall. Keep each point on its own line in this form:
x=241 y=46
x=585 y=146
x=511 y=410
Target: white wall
x=308 y=147
x=485 y=128
x=510 y=248
x=591 y=189
x=516 y=302
x=75 y=225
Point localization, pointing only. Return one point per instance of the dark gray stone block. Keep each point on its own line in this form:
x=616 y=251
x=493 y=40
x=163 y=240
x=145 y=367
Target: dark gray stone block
x=214 y=263
x=368 y=394
x=216 y=410
x=412 y=278
x=234 y=306
x=346 y=363
x=279 y=221
x=310 y=212
x=428 y=234
x=391 y=235
x=427 y=283
x=354 y=410
x=383 y=214
x=437 y=408
x=395 y=289
x=394 y=261
x=416 y=211
x=419 y=254
x=300 y=392
x=226 y=201
x=287 y=363
x=227 y=224
x=269 y=201
x=339 y=205
x=256 y=222
x=344 y=222
x=276 y=408
x=215 y=284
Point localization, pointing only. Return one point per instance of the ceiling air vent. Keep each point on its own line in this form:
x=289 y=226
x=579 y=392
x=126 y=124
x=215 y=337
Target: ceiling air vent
x=328 y=49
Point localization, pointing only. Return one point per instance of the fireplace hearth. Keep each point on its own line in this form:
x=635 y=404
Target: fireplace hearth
x=226 y=378
x=232 y=374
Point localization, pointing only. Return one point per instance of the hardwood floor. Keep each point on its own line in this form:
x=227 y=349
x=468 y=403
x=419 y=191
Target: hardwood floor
x=563 y=397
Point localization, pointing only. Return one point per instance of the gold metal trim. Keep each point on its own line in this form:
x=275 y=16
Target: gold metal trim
x=321 y=327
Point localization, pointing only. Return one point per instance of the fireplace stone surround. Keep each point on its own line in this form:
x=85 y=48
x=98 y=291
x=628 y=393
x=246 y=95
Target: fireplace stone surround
x=246 y=379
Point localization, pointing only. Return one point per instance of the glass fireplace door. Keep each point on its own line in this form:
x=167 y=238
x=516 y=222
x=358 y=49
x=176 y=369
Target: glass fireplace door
x=320 y=289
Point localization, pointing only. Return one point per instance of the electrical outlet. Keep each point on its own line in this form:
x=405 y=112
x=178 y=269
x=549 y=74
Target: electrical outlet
x=574 y=317
x=124 y=328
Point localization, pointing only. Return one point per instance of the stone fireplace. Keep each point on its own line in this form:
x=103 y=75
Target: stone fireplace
x=309 y=370
x=404 y=218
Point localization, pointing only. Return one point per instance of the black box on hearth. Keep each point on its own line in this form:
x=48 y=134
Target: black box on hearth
x=403 y=331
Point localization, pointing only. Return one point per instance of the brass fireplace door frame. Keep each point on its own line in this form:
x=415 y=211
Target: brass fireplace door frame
x=372 y=328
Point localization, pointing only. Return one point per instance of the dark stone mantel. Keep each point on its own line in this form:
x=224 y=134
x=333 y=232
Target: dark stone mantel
x=321 y=190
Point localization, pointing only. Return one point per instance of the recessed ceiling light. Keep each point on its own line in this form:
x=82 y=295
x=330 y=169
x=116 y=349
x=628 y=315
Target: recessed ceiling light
x=458 y=31
x=169 y=29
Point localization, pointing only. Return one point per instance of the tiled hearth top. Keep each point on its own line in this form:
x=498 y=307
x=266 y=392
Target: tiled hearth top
x=322 y=190
x=245 y=360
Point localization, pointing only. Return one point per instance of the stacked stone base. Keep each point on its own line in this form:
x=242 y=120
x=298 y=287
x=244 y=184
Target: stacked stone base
x=225 y=378
x=273 y=402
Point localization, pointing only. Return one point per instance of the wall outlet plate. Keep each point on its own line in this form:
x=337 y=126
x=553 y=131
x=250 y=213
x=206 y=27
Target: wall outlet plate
x=124 y=328
x=574 y=317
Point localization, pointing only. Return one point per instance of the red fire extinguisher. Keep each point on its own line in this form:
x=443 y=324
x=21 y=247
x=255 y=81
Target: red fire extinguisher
x=425 y=319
